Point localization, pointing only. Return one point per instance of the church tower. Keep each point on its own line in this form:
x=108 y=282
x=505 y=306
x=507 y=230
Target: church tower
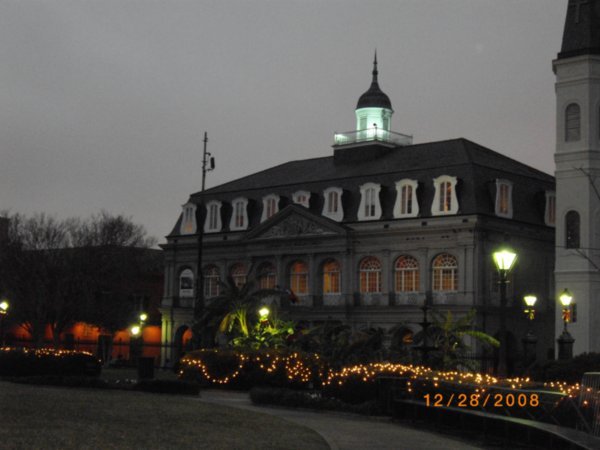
x=577 y=158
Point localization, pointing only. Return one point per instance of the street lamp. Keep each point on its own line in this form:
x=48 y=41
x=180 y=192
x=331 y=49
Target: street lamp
x=504 y=260
x=263 y=313
x=530 y=302
x=530 y=340
x=135 y=330
x=3 y=312
x=565 y=340
x=143 y=317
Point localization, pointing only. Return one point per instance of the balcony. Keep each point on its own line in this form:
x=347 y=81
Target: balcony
x=371 y=135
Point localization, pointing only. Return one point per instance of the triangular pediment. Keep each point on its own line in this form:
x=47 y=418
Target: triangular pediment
x=295 y=221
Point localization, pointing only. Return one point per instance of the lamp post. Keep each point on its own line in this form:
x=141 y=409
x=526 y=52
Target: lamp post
x=530 y=339
x=504 y=260
x=565 y=340
x=3 y=312
x=264 y=314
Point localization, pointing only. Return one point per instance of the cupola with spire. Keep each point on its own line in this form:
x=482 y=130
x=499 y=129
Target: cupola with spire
x=373 y=119
x=374 y=109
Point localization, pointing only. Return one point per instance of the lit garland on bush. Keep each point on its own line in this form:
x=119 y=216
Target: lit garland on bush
x=293 y=365
x=296 y=369
x=39 y=352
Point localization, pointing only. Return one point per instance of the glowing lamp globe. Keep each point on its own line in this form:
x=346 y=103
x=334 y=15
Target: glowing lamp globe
x=565 y=298
x=530 y=300
x=135 y=330
x=4 y=307
x=263 y=312
x=143 y=317
x=504 y=259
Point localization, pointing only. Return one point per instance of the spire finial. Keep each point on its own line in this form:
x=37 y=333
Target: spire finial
x=375 y=72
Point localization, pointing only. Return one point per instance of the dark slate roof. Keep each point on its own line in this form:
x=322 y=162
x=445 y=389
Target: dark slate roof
x=582 y=29
x=476 y=168
x=374 y=97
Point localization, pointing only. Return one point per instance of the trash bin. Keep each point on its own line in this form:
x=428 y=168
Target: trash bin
x=145 y=368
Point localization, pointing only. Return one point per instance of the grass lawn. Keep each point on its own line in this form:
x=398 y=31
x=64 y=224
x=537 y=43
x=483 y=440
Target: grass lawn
x=44 y=417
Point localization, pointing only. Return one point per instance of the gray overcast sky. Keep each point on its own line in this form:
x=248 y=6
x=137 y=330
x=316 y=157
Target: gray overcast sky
x=103 y=104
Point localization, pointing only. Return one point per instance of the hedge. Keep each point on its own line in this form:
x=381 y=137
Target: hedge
x=15 y=362
x=569 y=370
x=278 y=368
x=312 y=400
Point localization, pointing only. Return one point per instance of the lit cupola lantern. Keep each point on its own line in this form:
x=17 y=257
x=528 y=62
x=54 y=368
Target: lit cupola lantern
x=374 y=111
x=373 y=120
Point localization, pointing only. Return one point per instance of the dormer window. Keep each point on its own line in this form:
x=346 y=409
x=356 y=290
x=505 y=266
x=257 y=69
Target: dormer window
x=270 y=206
x=239 y=216
x=444 y=201
x=504 y=199
x=301 y=198
x=550 y=214
x=188 y=221
x=406 y=199
x=370 y=207
x=212 y=224
x=332 y=207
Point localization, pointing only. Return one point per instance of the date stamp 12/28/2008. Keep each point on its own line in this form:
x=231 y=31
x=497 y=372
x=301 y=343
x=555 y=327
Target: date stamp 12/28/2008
x=483 y=400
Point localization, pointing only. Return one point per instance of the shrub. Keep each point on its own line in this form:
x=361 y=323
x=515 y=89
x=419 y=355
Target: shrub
x=28 y=362
x=243 y=370
x=312 y=400
x=168 y=387
x=570 y=370
x=353 y=390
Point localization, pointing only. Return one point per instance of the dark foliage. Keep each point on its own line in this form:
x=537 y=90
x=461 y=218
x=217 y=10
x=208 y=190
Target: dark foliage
x=57 y=272
x=19 y=363
x=312 y=400
x=570 y=370
x=339 y=345
x=168 y=387
x=237 y=370
x=354 y=390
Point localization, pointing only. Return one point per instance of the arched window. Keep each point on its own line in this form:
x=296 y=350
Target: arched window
x=266 y=276
x=186 y=283
x=406 y=274
x=572 y=122
x=572 y=226
x=239 y=275
x=331 y=277
x=445 y=273
x=299 y=278
x=370 y=275
x=211 y=282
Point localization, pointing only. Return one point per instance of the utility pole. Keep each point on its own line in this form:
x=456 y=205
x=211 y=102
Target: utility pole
x=208 y=164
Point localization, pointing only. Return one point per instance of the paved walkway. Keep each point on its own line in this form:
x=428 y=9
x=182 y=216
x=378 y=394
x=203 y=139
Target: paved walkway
x=347 y=431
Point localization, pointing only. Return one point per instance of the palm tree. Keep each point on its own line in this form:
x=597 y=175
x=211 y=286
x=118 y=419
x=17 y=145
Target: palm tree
x=447 y=335
x=234 y=309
